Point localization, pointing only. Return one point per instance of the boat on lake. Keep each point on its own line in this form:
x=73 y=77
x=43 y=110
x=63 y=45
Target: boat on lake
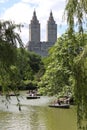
x=32 y=94
x=12 y=94
x=60 y=105
x=33 y=97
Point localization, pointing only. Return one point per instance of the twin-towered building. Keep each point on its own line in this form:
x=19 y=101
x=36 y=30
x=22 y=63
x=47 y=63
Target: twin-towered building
x=34 y=43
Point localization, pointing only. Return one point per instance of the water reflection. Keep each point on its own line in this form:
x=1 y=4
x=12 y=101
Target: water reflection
x=36 y=115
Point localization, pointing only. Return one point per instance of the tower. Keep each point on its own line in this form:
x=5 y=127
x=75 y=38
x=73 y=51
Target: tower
x=51 y=29
x=34 y=29
x=34 y=44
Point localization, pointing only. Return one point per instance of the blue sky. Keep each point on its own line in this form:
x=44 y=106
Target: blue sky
x=21 y=11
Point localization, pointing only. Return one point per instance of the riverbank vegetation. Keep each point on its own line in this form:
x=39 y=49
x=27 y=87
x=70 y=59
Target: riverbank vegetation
x=23 y=74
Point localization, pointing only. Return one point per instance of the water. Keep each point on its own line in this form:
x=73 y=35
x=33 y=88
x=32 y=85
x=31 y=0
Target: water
x=36 y=115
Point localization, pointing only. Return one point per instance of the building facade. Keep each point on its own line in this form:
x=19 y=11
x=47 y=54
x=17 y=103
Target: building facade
x=35 y=43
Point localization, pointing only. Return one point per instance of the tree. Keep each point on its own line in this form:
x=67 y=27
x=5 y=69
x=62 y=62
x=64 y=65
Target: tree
x=23 y=65
x=9 y=40
x=76 y=11
x=59 y=75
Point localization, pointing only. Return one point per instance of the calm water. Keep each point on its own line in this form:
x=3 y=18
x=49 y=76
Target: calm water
x=36 y=115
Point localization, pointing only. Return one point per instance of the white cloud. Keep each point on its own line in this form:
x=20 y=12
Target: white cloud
x=22 y=13
x=18 y=13
x=3 y=1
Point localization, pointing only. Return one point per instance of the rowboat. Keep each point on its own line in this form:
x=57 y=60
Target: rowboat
x=32 y=97
x=60 y=106
x=12 y=94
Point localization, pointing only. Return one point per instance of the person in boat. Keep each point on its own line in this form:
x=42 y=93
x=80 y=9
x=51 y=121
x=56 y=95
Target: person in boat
x=59 y=102
x=30 y=93
x=66 y=100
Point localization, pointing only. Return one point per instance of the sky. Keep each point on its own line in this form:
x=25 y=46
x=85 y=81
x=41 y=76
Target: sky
x=21 y=12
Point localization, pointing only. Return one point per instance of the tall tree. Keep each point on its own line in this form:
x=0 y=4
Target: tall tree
x=76 y=11
x=9 y=40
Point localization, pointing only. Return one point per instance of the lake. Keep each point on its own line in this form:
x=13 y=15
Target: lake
x=35 y=115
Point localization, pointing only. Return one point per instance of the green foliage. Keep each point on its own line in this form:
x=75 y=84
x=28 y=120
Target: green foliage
x=76 y=11
x=29 y=64
x=7 y=53
x=23 y=65
x=80 y=89
x=35 y=62
x=9 y=40
x=15 y=76
x=60 y=65
x=30 y=85
x=76 y=15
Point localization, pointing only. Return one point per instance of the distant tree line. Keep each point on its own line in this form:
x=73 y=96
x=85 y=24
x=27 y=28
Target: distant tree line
x=19 y=69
